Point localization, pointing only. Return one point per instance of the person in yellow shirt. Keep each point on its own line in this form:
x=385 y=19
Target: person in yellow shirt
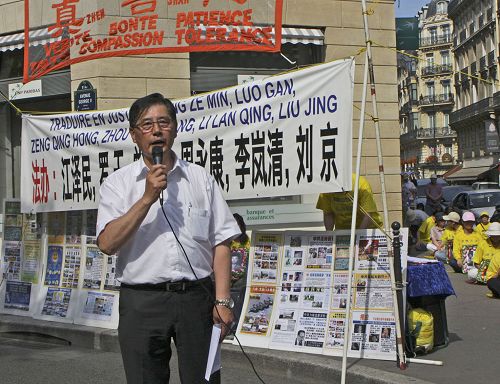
x=492 y=273
x=486 y=250
x=465 y=244
x=452 y=228
x=424 y=234
x=484 y=223
x=337 y=207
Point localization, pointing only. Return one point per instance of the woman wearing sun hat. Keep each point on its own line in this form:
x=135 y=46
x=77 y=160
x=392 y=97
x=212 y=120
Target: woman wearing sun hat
x=492 y=273
x=465 y=244
x=484 y=223
x=486 y=250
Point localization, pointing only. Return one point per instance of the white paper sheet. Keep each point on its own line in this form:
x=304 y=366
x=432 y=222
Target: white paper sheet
x=214 y=361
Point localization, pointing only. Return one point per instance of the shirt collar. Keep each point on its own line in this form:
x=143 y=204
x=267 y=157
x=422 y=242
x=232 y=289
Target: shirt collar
x=141 y=169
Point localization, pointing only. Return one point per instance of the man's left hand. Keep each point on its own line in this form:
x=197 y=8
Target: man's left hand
x=225 y=317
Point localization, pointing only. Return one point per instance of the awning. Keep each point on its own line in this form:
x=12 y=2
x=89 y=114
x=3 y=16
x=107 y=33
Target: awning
x=471 y=173
x=302 y=36
x=451 y=171
x=16 y=41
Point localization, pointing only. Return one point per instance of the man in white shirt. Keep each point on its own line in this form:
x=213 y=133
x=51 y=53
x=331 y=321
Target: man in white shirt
x=167 y=254
x=409 y=192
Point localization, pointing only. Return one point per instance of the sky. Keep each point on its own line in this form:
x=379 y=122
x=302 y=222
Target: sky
x=409 y=8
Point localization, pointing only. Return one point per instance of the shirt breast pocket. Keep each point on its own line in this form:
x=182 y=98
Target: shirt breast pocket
x=199 y=223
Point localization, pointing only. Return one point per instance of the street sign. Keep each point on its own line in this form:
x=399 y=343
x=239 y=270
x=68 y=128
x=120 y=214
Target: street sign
x=85 y=97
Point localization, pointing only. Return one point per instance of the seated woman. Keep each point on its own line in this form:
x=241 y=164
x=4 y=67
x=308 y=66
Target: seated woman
x=465 y=244
x=486 y=250
x=445 y=254
x=492 y=273
x=424 y=235
x=482 y=226
x=437 y=233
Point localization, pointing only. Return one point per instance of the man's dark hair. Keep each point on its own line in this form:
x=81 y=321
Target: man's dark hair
x=144 y=103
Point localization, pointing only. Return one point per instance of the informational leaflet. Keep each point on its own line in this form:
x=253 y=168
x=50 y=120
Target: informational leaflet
x=56 y=302
x=92 y=275
x=319 y=255
x=54 y=265
x=74 y=227
x=373 y=333
x=110 y=281
x=372 y=253
x=31 y=261
x=71 y=269
x=98 y=305
x=31 y=227
x=17 y=295
x=257 y=314
x=265 y=258
x=372 y=290
x=341 y=252
x=335 y=331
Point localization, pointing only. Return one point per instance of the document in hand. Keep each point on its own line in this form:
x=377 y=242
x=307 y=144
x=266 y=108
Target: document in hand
x=214 y=362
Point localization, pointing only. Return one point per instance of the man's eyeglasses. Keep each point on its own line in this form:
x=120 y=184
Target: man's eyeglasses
x=147 y=125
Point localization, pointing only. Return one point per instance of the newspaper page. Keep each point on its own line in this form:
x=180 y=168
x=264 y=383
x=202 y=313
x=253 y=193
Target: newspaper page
x=92 y=275
x=110 y=281
x=341 y=253
x=258 y=311
x=319 y=253
x=98 y=306
x=265 y=258
x=12 y=260
x=71 y=268
x=56 y=302
x=17 y=295
x=339 y=291
x=372 y=290
x=54 y=265
x=32 y=224
x=335 y=332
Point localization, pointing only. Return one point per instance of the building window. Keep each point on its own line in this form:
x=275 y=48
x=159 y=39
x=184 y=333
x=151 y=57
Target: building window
x=446 y=88
x=430 y=89
x=446 y=30
x=441 y=7
x=413 y=90
x=432 y=120
x=445 y=57
x=433 y=33
x=429 y=59
x=11 y=63
x=415 y=120
x=448 y=149
x=446 y=120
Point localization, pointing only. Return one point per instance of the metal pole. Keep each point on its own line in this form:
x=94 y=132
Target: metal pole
x=399 y=346
x=398 y=283
x=347 y=322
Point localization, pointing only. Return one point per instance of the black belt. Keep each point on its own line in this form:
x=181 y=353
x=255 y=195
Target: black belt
x=169 y=286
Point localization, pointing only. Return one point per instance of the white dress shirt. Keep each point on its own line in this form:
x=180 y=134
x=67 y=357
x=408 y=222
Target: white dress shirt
x=196 y=210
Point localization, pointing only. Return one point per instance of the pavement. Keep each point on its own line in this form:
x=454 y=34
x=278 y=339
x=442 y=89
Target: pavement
x=470 y=357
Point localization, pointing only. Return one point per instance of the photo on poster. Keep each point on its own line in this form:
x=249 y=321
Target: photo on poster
x=265 y=258
x=373 y=334
x=111 y=282
x=98 y=305
x=92 y=275
x=17 y=295
x=335 y=331
x=12 y=260
x=257 y=315
x=31 y=262
x=342 y=244
x=32 y=225
x=56 y=302
x=54 y=265
x=372 y=254
x=71 y=268
x=320 y=252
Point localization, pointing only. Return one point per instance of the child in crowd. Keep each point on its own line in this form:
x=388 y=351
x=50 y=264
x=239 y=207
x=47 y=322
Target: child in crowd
x=486 y=250
x=492 y=274
x=453 y=226
x=465 y=244
x=484 y=223
x=437 y=233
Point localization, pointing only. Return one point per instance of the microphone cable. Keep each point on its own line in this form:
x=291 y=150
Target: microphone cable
x=211 y=296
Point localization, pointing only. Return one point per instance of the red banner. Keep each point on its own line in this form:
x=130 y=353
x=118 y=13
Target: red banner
x=86 y=31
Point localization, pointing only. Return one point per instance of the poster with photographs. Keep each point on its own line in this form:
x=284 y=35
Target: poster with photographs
x=56 y=225
x=12 y=252
x=32 y=224
x=54 y=265
x=71 y=267
x=265 y=258
x=372 y=253
x=339 y=292
x=334 y=342
x=372 y=290
x=110 y=281
x=316 y=290
x=74 y=227
x=31 y=267
x=17 y=296
x=373 y=335
x=56 y=302
x=94 y=263
x=319 y=253
x=99 y=306
x=341 y=252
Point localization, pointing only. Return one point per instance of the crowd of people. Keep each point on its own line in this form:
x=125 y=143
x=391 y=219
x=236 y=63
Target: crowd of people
x=470 y=246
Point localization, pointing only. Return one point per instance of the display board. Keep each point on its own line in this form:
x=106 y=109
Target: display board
x=54 y=271
x=297 y=293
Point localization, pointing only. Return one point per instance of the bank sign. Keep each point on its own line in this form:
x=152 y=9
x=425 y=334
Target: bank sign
x=284 y=135
x=86 y=30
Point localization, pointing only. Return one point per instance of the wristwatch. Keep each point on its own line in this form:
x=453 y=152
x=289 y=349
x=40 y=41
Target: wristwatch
x=228 y=303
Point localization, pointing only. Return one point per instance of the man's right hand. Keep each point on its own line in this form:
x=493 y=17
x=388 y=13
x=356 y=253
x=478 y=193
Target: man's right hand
x=156 y=182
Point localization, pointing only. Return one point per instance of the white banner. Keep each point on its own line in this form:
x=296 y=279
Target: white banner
x=289 y=134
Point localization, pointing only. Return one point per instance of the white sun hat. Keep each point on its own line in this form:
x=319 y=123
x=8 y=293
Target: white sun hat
x=493 y=229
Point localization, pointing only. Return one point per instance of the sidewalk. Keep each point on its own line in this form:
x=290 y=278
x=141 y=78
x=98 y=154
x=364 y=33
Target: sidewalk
x=471 y=356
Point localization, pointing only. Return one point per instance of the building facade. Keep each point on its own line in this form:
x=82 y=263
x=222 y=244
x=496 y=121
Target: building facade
x=324 y=30
x=476 y=116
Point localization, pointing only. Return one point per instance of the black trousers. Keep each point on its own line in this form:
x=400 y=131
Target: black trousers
x=494 y=285
x=150 y=319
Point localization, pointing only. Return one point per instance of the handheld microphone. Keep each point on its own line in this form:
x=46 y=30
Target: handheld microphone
x=158 y=159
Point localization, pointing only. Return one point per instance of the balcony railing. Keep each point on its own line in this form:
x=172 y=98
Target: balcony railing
x=491 y=59
x=435 y=133
x=476 y=110
x=435 y=40
x=443 y=98
x=437 y=69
